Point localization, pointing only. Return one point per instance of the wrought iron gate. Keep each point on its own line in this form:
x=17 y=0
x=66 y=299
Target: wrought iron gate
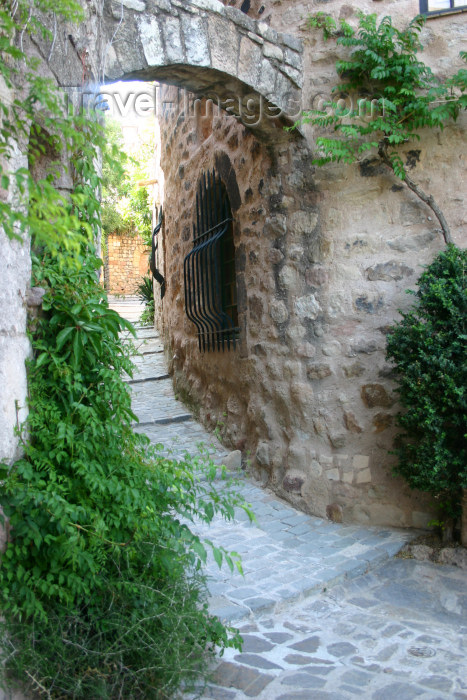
x=209 y=269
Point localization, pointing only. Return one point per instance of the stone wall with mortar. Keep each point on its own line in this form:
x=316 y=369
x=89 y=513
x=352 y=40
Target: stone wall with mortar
x=323 y=258
x=126 y=263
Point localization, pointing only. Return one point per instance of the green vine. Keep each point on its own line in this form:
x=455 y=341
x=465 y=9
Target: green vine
x=393 y=96
x=102 y=589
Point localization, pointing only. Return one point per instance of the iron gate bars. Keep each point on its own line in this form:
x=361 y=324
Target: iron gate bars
x=209 y=269
x=152 y=262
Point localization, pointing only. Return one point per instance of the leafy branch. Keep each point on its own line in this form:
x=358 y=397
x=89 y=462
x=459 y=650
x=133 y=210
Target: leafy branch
x=394 y=96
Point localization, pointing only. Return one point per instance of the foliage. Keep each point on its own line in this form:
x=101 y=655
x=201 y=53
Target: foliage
x=115 y=181
x=393 y=96
x=42 y=106
x=429 y=347
x=101 y=585
x=125 y=205
x=146 y=294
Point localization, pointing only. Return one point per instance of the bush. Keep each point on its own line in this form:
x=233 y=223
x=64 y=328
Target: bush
x=146 y=294
x=429 y=347
x=101 y=586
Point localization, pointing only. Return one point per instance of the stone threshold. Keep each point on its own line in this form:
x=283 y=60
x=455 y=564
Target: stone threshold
x=181 y=418
x=148 y=379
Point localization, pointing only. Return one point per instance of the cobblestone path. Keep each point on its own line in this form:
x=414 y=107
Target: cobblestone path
x=325 y=610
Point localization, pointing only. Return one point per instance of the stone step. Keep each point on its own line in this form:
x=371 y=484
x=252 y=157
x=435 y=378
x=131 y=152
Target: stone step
x=148 y=379
x=180 y=418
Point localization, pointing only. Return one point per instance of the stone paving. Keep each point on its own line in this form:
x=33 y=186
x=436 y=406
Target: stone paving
x=325 y=610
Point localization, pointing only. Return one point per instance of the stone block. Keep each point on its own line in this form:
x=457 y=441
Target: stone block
x=303 y=222
x=223 y=42
x=307 y=307
x=363 y=476
x=249 y=62
x=404 y=243
x=351 y=423
x=289 y=277
x=333 y=474
x=233 y=461
x=354 y=370
x=360 y=462
x=375 y=395
x=267 y=80
x=297 y=457
x=173 y=41
x=388 y=271
x=272 y=51
x=275 y=256
x=278 y=311
x=318 y=371
x=337 y=439
x=382 y=421
x=212 y=5
x=136 y=5
x=332 y=348
x=151 y=41
x=292 y=42
x=369 y=304
x=196 y=41
x=316 y=276
x=306 y=350
x=295 y=75
x=262 y=454
x=293 y=481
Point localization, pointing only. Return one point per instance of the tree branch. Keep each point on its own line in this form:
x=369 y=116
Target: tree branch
x=428 y=199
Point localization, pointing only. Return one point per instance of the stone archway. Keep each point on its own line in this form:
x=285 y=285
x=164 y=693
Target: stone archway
x=251 y=70
x=212 y=50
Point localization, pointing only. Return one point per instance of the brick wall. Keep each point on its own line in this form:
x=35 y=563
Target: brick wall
x=126 y=262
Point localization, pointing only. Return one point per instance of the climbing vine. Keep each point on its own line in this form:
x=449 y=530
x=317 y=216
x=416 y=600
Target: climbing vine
x=395 y=95
x=102 y=590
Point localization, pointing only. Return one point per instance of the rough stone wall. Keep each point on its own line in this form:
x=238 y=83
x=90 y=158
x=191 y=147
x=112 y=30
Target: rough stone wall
x=75 y=56
x=126 y=263
x=323 y=258
x=15 y=273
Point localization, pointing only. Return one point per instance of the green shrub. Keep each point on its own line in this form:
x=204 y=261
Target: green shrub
x=101 y=586
x=429 y=347
x=146 y=294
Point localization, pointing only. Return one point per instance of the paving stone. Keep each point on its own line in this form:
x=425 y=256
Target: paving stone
x=256 y=644
x=359 y=678
x=278 y=637
x=340 y=649
x=297 y=659
x=437 y=683
x=310 y=645
x=259 y=603
x=256 y=661
x=318 y=670
x=249 y=680
x=303 y=680
x=397 y=691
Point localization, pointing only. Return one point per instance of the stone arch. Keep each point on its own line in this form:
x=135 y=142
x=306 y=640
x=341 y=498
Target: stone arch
x=214 y=51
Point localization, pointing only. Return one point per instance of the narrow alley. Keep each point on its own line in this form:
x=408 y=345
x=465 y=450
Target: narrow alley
x=325 y=610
